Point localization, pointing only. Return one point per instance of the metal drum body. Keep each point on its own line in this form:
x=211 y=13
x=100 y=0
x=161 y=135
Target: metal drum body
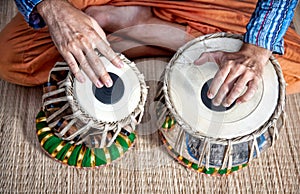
x=210 y=141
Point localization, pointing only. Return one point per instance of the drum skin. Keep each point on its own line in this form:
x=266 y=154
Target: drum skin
x=196 y=145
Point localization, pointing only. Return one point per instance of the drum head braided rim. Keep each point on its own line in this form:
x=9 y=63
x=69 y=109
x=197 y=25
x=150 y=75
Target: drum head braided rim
x=185 y=126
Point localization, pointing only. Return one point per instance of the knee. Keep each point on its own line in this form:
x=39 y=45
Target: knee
x=14 y=69
x=112 y=18
x=13 y=75
x=7 y=63
x=99 y=14
x=25 y=53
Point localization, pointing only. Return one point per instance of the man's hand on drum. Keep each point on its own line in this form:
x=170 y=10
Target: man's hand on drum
x=77 y=36
x=239 y=73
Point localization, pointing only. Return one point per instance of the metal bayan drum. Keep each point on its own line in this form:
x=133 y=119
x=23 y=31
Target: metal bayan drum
x=84 y=126
x=216 y=140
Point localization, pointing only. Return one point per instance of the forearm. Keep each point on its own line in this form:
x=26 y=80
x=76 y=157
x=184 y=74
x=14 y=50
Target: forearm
x=269 y=23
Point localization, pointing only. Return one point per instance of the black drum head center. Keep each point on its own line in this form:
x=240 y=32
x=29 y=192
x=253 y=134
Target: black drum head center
x=208 y=102
x=110 y=95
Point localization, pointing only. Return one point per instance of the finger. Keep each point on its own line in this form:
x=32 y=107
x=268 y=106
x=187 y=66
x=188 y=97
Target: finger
x=98 y=68
x=217 y=82
x=207 y=57
x=225 y=83
x=236 y=70
x=99 y=31
x=96 y=64
x=69 y=58
x=107 y=51
x=238 y=89
x=81 y=58
x=252 y=88
x=222 y=93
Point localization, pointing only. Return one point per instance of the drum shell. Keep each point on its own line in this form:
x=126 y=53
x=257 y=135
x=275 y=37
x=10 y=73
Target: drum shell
x=215 y=155
x=68 y=134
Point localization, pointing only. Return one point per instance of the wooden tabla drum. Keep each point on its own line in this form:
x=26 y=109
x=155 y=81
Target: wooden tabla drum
x=209 y=139
x=84 y=126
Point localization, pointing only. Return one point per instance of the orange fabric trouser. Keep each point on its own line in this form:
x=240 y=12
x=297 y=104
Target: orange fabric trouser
x=27 y=55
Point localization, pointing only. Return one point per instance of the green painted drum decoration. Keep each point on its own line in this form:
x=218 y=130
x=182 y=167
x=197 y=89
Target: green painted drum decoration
x=84 y=126
x=209 y=139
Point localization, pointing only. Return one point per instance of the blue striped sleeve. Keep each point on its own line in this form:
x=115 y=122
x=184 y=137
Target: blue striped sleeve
x=28 y=10
x=269 y=23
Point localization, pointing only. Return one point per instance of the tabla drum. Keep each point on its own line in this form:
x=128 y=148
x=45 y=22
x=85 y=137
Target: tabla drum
x=216 y=140
x=84 y=126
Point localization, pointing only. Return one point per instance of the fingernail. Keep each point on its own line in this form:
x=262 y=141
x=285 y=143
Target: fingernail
x=225 y=104
x=209 y=95
x=238 y=102
x=80 y=79
x=121 y=64
x=99 y=84
x=215 y=103
x=108 y=83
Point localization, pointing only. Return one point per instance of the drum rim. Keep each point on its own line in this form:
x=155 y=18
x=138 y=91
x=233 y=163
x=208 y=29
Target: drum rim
x=85 y=117
x=271 y=122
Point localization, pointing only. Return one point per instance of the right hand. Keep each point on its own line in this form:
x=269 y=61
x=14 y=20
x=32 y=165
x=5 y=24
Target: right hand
x=239 y=73
x=76 y=36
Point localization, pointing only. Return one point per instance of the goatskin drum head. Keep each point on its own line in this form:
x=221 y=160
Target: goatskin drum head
x=110 y=104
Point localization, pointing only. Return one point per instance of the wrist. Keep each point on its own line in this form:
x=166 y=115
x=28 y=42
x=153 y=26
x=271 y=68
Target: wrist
x=42 y=7
x=256 y=51
x=46 y=7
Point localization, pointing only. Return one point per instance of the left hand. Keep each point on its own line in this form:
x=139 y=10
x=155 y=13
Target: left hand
x=77 y=36
x=239 y=73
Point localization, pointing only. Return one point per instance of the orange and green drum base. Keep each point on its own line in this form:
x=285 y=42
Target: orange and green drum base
x=169 y=123
x=80 y=155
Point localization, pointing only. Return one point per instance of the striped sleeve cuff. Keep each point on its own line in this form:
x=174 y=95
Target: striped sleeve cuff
x=269 y=23
x=28 y=9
